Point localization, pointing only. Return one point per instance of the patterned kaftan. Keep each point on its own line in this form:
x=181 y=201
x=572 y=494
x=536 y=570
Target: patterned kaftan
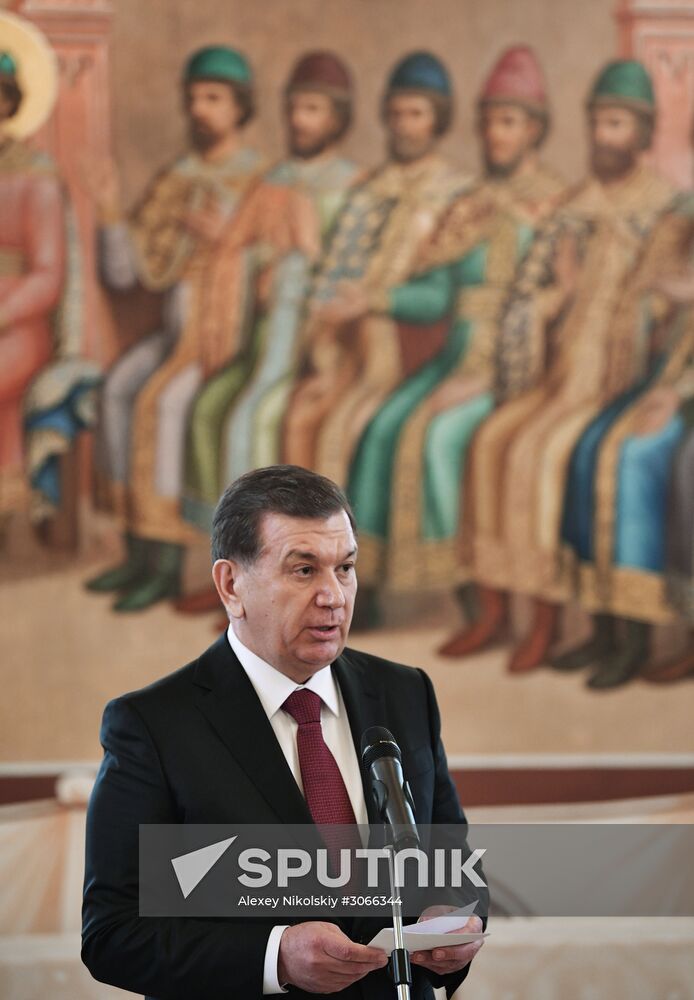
x=148 y=392
x=350 y=369
x=229 y=420
x=562 y=342
x=406 y=479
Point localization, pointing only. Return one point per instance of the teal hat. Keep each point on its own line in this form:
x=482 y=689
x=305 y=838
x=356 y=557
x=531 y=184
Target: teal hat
x=8 y=67
x=625 y=82
x=420 y=71
x=217 y=62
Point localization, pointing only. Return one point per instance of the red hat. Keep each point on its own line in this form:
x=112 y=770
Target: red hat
x=323 y=71
x=516 y=78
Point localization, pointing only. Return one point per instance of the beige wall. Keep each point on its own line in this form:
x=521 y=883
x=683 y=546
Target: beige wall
x=152 y=38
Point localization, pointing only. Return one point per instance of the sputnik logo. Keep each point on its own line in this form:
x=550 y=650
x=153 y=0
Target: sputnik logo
x=191 y=868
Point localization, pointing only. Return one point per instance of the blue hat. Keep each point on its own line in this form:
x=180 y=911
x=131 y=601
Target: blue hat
x=420 y=71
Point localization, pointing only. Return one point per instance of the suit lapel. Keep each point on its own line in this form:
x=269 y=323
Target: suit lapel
x=365 y=703
x=226 y=697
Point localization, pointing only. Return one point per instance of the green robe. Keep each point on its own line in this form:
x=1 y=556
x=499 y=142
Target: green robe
x=405 y=482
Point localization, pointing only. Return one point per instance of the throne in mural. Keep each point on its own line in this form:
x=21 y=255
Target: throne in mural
x=57 y=52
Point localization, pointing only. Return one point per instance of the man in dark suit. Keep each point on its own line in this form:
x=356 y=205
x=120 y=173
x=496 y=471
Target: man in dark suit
x=262 y=728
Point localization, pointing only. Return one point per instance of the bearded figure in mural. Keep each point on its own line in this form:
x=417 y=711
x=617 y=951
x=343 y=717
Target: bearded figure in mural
x=187 y=239
x=45 y=386
x=354 y=352
x=235 y=420
x=223 y=431
x=557 y=335
x=406 y=479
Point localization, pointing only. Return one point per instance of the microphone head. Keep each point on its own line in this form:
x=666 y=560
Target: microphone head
x=378 y=742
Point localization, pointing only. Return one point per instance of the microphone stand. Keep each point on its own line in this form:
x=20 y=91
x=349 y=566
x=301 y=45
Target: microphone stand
x=400 y=970
x=399 y=965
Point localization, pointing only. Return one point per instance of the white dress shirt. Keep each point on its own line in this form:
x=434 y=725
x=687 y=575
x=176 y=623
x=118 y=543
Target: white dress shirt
x=273 y=688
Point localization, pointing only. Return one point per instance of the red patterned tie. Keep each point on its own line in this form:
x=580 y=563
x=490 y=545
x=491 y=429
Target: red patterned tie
x=324 y=788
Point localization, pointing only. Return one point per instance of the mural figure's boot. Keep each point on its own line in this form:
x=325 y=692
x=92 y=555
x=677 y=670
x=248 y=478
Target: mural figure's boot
x=626 y=661
x=674 y=670
x=199 y=602
x=127 y=573
x=467 y=597
x=491 y=617
x=533 y=649
x=367 y=612
x=162 y=582
x=602 y=642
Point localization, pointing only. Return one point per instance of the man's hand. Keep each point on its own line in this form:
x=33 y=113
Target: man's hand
x=656 y=409
x=317 y=957
x=450 y=959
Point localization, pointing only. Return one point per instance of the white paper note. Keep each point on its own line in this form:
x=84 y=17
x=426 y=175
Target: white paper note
x=419 y=941
x=438 y=932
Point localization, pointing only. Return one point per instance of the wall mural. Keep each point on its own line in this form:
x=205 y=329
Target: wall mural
x=497 y=366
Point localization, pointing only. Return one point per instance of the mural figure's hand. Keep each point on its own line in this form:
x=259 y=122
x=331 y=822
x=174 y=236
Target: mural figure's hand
x=566 y=265
x=678 y=288
x=305 y=226
x=656 y=410
x=207 y=223
x=455 y=391
x=350 y=302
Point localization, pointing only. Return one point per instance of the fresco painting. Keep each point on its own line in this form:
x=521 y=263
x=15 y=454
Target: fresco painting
x=491 y=354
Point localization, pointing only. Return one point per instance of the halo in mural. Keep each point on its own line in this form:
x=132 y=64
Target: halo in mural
x=36 y=72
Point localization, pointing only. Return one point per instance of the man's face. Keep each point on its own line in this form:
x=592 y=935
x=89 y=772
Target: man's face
x=296 y=600
x=311 y=122
x=615 y=141
x=508 y=134
x=213 y=112
x=411 y=122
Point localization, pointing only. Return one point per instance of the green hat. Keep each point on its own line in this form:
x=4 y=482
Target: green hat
x=625 y=82
x=8 y=67
x=217 y=62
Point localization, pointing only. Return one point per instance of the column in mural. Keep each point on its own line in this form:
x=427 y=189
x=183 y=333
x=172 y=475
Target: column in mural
x=660 y=34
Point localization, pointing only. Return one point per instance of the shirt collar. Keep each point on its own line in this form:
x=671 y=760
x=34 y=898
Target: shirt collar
x=273 y=687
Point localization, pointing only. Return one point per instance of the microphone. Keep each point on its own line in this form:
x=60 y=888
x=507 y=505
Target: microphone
x=382 y=761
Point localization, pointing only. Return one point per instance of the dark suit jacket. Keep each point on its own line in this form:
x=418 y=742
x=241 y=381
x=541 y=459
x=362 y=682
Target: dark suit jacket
x=197 y=747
